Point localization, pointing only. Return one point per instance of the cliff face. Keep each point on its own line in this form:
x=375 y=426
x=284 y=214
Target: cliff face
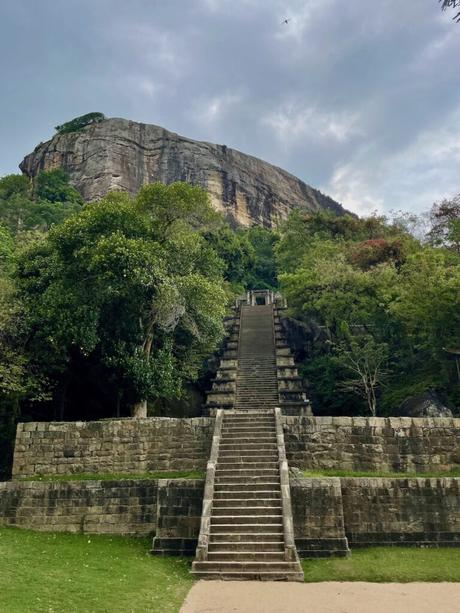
x=118 y=154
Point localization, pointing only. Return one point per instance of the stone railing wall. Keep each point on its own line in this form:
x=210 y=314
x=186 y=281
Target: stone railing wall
x=112 y=446
x=372 y=444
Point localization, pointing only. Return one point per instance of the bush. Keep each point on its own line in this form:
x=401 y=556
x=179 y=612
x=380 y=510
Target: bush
x=77 y=124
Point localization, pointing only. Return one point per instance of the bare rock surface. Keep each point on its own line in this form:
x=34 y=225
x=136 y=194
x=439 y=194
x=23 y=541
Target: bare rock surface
x=424 y=405
x=327 y=597
x=118 y=154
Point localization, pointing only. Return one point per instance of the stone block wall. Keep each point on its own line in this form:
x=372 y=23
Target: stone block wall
x=161 y=443
x=317 y=511
x=419 y=512
x=170 y=509
x=179 y=508
x=112 y=446
x=372 y=444
x=326 y=512
x=100 y=507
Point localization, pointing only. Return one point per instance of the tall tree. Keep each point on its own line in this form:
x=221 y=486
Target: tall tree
x=132 y=284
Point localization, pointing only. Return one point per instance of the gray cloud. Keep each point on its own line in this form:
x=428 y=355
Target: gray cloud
x=359 y=99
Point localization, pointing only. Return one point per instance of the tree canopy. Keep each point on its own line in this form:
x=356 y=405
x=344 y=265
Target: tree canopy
x=78 y=123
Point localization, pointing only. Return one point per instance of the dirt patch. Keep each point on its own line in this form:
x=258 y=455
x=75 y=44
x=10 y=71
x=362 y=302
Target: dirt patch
x=333 y=597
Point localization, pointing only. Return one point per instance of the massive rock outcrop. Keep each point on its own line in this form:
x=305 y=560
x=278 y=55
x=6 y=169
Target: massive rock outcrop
x=125 y=155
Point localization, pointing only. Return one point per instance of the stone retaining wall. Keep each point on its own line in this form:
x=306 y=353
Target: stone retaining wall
x=419 y=512
x=326 y=512
x=161 y=443
x=372 y=444
x=168 y=508
x=112 y=446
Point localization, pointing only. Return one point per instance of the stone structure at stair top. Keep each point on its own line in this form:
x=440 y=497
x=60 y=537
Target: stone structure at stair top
x=118 y=154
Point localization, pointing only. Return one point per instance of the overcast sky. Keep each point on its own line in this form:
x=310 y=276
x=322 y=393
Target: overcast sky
x=359 y=98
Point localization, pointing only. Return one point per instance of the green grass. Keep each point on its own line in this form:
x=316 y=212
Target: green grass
x=393 y=475
x=70 y=573
x=388 y=564
x=159 y=474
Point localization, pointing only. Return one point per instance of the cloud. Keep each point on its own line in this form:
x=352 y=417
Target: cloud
x=424 y=171
x=359 y=99
x=292 y=122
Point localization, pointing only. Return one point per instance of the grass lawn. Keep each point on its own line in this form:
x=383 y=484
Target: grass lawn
x=392 y=475
x=159 y=474
x=388 y=564
x=69 y=573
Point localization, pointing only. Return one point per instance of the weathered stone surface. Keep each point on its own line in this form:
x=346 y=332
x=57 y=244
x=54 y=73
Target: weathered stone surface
x=425 y=405
x=418 y=512
x=100 y=507
x=118 y=154
x=112 y=446
x=317 y=511
x=373 y=443
x=162 y=443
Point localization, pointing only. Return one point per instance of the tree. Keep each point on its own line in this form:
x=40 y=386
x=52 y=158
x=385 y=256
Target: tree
x=365 y=359
x=54 y=200
x=446 y=4
x=53 y=186
x=445 y=220
x=132 y=285
x=77 y=124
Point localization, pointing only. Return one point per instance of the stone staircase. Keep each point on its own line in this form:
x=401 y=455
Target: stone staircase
x=256 y=379
x=246 y=527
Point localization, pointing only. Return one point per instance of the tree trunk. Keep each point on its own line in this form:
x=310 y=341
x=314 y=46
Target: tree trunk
x=140 y=409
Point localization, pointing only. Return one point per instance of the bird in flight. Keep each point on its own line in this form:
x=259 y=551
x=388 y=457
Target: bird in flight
x=286 y=21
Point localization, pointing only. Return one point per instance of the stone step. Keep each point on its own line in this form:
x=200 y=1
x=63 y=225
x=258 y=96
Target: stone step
x=247 y=546
x=246 y=556
x=248 y=575
x=246 y=494
x=244 y=463
x=233 y=566
x=248 y=528
x=251 y=490
x=274 y=509
x=242 y=483
x=230 y=502
x=242 y=520
x=253 y=538
x=253 y=446
x=262 y=418
x=231 y=438
x=248 y=427
x=248 y=461
x=251 y=473
x=261 y=453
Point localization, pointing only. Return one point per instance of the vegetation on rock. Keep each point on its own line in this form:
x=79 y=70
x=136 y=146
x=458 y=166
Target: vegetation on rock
x=78 y=123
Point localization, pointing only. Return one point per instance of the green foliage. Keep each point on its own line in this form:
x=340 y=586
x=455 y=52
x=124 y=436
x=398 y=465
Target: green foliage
x=77 y=124
x=53 y=185
x=132 y=282
x=81 y=573
x=12 y=185
x=376 y=297
x=54 y=200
